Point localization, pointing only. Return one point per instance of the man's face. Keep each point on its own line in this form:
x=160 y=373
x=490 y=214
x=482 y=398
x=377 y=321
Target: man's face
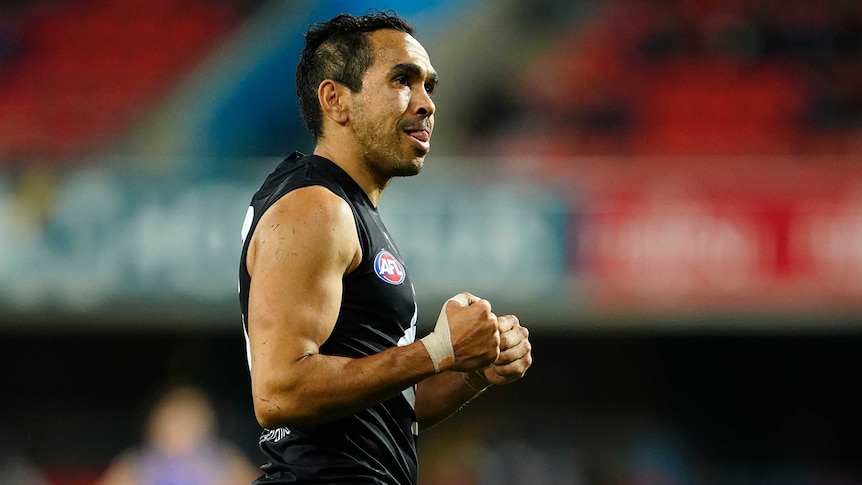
x=393 y=114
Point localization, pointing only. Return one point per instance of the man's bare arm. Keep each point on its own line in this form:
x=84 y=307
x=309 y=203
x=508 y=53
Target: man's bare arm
x=440 y=396
x=302 y=247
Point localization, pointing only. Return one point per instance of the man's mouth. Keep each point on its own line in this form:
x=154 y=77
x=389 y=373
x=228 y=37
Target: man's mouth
x=421 y=135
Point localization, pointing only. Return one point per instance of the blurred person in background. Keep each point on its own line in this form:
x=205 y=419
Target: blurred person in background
x=339 y=382
x=15 y=467
x=181 y=447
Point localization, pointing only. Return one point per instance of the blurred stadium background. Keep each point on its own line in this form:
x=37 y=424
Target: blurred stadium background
x=667 y=192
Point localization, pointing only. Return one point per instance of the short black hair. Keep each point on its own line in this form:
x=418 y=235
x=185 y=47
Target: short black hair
x=339 y=50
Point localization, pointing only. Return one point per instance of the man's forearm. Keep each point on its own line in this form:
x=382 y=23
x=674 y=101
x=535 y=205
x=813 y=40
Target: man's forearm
x=320 y=388
x=442 y=395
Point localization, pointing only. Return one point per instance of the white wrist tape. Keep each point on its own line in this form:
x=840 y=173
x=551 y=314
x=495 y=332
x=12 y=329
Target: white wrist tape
x=439 y=342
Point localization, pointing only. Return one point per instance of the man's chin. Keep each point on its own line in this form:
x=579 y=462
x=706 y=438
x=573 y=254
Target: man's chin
x=410 y=166
x=410 y=169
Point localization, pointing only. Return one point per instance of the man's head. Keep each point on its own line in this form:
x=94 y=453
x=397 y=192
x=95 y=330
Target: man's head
x=341 y=50
x=365 y=90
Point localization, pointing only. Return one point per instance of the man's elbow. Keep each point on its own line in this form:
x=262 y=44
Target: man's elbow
x=270 y=420
x=285 y=409
x=274 y=405
x=272 y=413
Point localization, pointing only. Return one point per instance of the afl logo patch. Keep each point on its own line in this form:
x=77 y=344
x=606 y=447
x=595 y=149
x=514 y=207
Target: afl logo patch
x=388 y=268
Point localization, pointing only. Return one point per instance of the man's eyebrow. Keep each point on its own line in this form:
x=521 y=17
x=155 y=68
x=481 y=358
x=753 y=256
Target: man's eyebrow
x=412 y=69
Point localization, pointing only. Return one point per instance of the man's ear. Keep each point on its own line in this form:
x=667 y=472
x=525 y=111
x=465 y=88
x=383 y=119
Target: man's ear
x=334 y=99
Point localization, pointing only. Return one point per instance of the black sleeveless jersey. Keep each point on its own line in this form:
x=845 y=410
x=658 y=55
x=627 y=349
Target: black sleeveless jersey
x=378 y=311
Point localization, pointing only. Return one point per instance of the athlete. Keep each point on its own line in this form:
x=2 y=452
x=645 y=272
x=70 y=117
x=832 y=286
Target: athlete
x=181 y=445
x=339 y=382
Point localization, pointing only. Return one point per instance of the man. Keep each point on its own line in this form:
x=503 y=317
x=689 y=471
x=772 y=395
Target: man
x=338 y=383
x=181 y=444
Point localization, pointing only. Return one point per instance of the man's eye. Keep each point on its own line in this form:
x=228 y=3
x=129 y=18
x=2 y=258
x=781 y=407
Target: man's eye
x=402 y=80
x=429 y=88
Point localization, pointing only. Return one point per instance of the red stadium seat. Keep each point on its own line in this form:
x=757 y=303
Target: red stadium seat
x=92 y=64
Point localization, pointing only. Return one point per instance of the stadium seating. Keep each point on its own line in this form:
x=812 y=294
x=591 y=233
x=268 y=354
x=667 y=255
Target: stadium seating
x=694 y=78
x=82 y=71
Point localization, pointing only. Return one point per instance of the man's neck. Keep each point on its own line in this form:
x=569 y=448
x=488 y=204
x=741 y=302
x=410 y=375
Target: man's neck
x=355 y=168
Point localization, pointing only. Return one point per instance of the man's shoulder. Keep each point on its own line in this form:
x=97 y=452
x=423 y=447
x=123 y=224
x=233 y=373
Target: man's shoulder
x=313 y=199
x=297 y=171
